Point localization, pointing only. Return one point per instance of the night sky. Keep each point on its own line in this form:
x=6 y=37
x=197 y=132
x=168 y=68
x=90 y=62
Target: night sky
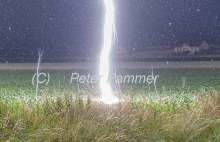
x=75 y=27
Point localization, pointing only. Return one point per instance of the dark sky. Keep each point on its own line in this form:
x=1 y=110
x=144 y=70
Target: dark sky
x=78 y=24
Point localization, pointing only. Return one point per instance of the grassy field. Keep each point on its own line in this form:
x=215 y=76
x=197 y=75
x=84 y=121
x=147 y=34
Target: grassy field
x=184 y=106
x=170 y=81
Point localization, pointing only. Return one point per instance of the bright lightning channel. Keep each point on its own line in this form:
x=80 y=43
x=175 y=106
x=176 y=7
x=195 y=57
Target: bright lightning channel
x=107 y=94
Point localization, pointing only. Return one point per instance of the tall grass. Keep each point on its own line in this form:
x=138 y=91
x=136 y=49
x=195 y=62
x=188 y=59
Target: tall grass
x=65 y=118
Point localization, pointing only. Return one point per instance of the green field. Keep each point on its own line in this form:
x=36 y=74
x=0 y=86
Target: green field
x=184 y=106
x=170 y=81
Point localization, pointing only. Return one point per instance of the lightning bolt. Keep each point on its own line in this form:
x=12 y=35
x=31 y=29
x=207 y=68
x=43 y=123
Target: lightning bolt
x=109 y=28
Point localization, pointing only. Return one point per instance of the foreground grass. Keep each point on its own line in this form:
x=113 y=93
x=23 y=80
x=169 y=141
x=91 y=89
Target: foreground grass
x=68 y=119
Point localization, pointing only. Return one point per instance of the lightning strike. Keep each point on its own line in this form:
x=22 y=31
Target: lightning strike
x=109 y=29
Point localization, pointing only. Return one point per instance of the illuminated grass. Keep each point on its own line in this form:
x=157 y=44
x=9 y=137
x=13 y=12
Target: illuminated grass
x=189 y=113
x=149 y=119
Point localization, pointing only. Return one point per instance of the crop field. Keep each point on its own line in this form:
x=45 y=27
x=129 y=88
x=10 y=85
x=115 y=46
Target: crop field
x=157 y=105
x=168 y=81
